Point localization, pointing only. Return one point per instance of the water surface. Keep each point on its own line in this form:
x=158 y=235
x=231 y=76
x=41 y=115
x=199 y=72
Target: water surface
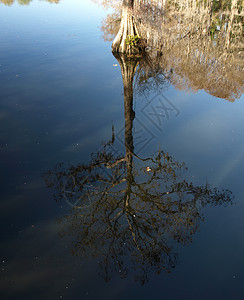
x=61 y=99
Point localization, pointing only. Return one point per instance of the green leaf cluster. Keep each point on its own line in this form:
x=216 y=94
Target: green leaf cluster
x=132 y=40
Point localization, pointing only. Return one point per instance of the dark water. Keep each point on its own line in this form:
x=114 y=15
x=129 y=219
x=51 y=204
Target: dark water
x=61 y=93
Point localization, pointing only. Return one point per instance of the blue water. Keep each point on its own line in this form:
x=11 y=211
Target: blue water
x=60 y=92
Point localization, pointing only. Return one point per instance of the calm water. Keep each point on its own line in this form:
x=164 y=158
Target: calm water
x=61 y=99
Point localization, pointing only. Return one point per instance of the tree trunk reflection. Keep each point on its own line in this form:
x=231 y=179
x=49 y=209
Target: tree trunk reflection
x=128 y=211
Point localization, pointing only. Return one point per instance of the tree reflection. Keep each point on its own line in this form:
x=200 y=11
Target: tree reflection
x=129 y=211
x=199 y=44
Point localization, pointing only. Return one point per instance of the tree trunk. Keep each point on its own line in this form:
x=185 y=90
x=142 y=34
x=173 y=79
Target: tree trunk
x=127 y=28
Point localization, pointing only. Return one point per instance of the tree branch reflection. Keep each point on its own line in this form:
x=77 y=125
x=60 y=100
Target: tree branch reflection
x=129 y=211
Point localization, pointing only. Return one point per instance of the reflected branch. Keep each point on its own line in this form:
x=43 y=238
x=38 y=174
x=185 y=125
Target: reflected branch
x=128 y=211
x=132 y=223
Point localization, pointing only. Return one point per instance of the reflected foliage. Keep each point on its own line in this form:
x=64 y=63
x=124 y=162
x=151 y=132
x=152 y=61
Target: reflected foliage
x=198 y=44
x=24 y=2
x=7 y=2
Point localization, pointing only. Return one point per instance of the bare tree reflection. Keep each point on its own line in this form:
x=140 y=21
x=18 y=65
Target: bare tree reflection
x=129 y=211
